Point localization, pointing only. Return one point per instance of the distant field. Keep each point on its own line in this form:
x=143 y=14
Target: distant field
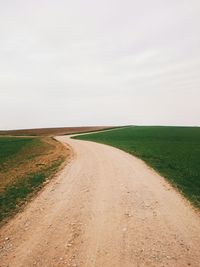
x=25 y=163
x=53 y=131
x=173 y=151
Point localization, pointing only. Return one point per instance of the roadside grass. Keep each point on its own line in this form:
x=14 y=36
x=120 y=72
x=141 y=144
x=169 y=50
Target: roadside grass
x=174 y=152
x=16 y=194
x=9 y=146
x=19 y=152
x=25 y=164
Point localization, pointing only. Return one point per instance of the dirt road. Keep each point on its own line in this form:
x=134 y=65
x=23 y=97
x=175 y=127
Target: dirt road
x=105 y=209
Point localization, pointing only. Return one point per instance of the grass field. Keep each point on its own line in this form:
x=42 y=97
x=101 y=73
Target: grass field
x=172 y=151
x=25 y=163
x=11 y=146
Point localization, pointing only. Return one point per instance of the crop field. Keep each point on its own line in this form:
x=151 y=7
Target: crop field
x=174 y=152
x=53 y=131
x=25 y=163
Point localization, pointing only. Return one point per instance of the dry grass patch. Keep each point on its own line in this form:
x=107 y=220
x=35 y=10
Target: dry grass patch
x=25 y=164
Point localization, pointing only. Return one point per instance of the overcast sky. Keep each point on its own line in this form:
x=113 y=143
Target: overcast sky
x=108 y=62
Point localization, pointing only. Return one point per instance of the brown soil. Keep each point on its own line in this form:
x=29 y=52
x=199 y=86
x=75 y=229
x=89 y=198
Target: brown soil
x=54 y=131
x=105 y=209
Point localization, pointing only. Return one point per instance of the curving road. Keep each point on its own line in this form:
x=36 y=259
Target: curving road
x=106 y=208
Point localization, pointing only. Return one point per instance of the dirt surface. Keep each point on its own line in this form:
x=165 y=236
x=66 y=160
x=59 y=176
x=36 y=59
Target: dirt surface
x=54 y=131
x=105 y=209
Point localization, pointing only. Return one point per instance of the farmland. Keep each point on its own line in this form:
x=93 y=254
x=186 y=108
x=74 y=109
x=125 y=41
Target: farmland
x=103 y=200
x=52 y=131
x=174 y=152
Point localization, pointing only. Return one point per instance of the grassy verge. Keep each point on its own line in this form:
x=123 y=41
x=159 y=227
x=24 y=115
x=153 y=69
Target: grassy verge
x=25 y=164
x=10 y=146
x=16 y=194
x=172 y=151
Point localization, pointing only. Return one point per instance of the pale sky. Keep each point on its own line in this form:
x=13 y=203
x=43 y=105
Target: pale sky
x=108 y=62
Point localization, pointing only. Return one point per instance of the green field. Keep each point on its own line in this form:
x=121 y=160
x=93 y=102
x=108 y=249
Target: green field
x=172 y=151
x=11 y=146
x=25 y=163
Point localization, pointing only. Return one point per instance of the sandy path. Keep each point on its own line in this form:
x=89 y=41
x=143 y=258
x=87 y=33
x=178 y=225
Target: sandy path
x=105 y=209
